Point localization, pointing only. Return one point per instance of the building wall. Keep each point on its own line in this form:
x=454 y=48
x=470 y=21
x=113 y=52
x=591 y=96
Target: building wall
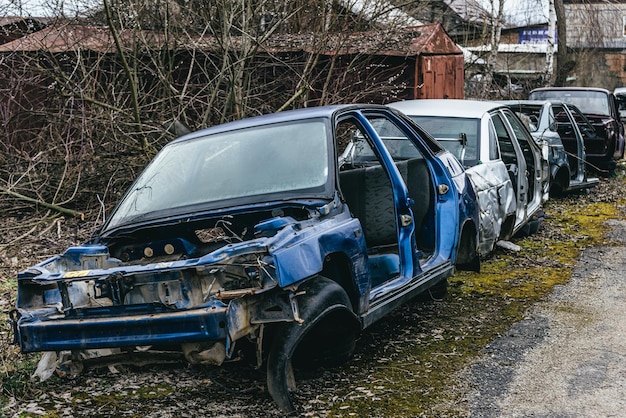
x=596 y=25
x=617 y=65
x=596 y=31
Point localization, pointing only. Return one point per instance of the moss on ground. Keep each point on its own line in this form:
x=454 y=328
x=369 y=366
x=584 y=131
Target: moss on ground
x=407 y=364
x=419 y=378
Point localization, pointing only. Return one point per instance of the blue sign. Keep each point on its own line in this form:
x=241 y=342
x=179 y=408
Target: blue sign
x=535 y=36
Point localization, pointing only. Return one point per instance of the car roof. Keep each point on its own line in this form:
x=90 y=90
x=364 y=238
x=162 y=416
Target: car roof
x=536 y=102
x=278 y=117
x=598 y=89
x=528 y=102
x=446 y=107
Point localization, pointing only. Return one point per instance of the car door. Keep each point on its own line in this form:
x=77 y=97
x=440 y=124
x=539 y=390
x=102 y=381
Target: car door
x=536 y=159
x=375 y=184
x=475 y=146
x=513 y=157
x=572 y=141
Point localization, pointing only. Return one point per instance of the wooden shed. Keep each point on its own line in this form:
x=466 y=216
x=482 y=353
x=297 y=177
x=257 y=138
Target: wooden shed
x=420 y=62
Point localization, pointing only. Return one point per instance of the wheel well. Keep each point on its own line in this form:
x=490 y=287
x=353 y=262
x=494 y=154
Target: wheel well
x=324 y=335
x=467 y=257
x=561 y=181
x=467 y=243
x=337 y=267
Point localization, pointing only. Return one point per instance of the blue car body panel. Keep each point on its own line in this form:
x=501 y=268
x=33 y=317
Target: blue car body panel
x=155 y=280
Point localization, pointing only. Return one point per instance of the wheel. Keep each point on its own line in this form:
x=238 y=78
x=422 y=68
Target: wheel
x=532 y=226
x=435 y=292
x=326 y=335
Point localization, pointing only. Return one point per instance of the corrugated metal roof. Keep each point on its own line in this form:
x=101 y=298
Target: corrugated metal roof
x=14 y=27
x=411 y=41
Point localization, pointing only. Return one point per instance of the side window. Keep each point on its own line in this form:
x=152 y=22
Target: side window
x=494 y=149
x=552 y=121
x=519 y=129
x=505 y=142
x=396 y=141
x=353 y=146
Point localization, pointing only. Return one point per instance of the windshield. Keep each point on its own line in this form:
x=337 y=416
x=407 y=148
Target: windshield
x=621 y=101
x=590 y=102
x=248 y=162
x=530 y=115
x=448 y=132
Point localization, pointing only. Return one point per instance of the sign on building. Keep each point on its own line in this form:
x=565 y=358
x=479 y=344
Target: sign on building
x=538 y=35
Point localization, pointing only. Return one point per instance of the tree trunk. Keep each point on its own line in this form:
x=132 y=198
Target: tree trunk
x=563 y=64
x=549 y=71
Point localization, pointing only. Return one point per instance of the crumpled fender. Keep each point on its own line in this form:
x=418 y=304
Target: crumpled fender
x=320 y=298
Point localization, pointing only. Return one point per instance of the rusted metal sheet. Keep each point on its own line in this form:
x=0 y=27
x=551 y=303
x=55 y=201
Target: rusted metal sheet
x=409 y=63
x=427 y=39
x=439 y=77
x=12 y=27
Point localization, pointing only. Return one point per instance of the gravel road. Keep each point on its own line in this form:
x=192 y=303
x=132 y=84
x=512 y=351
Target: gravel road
x=567 y=358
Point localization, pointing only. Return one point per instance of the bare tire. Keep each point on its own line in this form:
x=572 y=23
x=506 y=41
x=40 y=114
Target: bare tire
x=327 y=334
x=435 y=292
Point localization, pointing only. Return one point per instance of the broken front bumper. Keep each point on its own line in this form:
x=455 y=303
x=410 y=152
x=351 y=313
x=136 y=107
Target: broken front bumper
x=123 y=326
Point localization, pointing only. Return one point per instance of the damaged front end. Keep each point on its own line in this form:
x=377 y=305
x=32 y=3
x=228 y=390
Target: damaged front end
x=171 y=294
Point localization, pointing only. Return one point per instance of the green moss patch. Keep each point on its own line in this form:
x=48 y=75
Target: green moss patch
x=414 y=374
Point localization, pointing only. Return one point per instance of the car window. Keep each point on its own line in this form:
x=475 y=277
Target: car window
x=396 y=141
x=524 y=138
x=507 y=149
x=229 y=165
x=563 y=121
x=519 y=129
x=530 y=115
x=586 y=128
x=460 y=136
x=593 y=102
x=494 y=149
x=621 y=101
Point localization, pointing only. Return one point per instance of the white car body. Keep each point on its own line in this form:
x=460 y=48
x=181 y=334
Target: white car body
x=494 y=153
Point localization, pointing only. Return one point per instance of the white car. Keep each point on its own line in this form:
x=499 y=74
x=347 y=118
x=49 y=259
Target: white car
x=507 y=168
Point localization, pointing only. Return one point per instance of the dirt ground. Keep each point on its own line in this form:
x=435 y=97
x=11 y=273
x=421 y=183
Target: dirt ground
x=481 y=353
x=566 y=357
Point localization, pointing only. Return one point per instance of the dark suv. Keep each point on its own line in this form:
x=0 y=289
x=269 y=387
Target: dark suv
x=606 y=144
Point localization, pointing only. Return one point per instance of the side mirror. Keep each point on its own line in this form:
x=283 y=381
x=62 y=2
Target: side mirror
x=463 y=141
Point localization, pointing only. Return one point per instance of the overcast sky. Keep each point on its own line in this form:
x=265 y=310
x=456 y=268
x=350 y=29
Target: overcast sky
x=520 y=12
x=43 y=8
x=517 y=11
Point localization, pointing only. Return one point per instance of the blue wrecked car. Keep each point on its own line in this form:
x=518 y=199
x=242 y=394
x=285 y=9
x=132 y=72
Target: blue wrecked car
x=288 y=233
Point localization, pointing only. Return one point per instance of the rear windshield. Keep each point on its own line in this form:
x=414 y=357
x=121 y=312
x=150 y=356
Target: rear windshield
x=449 y=132
x=589 y=102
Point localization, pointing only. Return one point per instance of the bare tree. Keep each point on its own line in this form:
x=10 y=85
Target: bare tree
x=563 y=64
x=81 y=119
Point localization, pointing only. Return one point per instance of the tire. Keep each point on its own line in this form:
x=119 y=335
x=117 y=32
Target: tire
x=326 y=335
x=436 y=292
